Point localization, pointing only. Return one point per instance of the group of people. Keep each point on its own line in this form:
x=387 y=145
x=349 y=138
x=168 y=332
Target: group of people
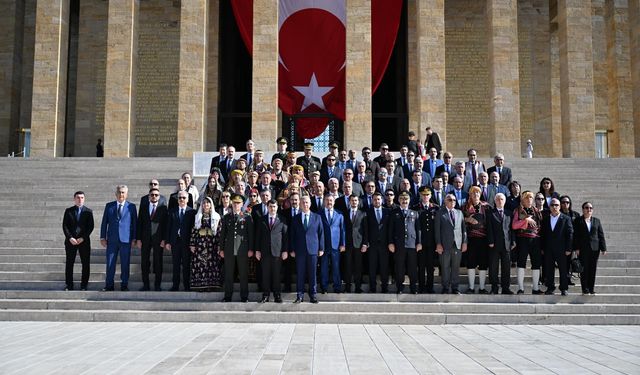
x=339 y=220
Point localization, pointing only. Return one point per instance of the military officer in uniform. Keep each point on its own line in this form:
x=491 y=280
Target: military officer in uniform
x=405 y=243
x=236 y=239
x=309 y=162
x=281 y=144
x=426 y=257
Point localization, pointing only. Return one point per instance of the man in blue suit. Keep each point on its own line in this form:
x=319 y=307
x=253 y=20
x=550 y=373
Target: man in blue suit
x=117 y=234
x=306 y=240
x=334 y=239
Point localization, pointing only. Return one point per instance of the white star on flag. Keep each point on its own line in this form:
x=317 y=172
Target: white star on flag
x=313 y=93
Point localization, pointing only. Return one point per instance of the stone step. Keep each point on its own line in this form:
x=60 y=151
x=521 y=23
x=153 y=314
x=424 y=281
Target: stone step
x=315 y=317
x=135 y=285
x=556 y=306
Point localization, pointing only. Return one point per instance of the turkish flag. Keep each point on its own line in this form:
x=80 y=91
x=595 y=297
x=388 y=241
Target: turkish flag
x=312 y=54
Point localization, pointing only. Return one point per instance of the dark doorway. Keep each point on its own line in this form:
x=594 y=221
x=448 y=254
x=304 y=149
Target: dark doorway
x=390 y=119
x=234 y=108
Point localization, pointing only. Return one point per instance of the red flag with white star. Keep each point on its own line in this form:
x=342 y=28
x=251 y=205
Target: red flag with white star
x=312 y=54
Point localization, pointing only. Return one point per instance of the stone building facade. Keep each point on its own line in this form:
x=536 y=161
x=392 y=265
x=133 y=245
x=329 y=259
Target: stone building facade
x=144 y=75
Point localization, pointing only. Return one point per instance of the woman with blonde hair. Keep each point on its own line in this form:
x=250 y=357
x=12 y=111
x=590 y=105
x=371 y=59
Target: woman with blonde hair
x=206 y=265
x=476 y=213
x=526 y=224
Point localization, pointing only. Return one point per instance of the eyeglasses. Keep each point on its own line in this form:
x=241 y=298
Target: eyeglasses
x=554 y=205
x=539 y=199
x=226 y=196
x=154 y=195
x=565 y=202
x=182 y=197
x=389 y=195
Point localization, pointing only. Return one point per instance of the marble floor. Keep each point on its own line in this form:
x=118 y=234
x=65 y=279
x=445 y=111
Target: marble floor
x=203 y=348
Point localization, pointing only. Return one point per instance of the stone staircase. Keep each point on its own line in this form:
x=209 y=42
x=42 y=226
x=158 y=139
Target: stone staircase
x=36 y=192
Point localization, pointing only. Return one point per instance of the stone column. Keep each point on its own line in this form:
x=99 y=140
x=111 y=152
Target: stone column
x=621 y=141
x=264 y=95
x=50 y=78
x=413 y=96
x=634 y=49
x=192 y=102
x=576 y=78
x=502 y=25
x=11 y=37
x=211 y=130
x=556 y=99
x=358 y=125
x=122 y=52
x=431 y=77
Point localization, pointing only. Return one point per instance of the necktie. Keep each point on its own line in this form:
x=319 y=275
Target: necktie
x=228 y=164
x=438 y=197
x=447 y=169
x=306 y=221
x=499 y=170
x=453 y=217
x=78 y=214
x=331 y=172
x=264 y=209
x=378 y=215
x=119 y=211
x=368 y=200
x=249 y=159
x=353 y=215
x=181 y=214
x=501 y=214
x=361 y=178
x=473 y=174
x=295 y=211
x=404 y=212
x=153 y=210
x=458 y=196
x=271 y=223
x=330 y=217
x=484 y=192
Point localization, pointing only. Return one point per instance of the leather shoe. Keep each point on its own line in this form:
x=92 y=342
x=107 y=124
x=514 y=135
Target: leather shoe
x=108 y=289
x=298 y=300
x=124 y=289
x=494 y=291
x=548 y=292
x=445 y=291
x=470 y=291
x=520 y=291
x=244 y=300
x=277 y=299
x=145 y=289
x=358 y=291
x=564 y=293
x=225 y=299
x=538 y=292
x=174 y=289
x=507 y=291
x=158 y=289
x=84 y=288
x=455 y=291
x=313 y=300
x=264 y=299
x=323 y=291
x=483 y=291
x=66 y=288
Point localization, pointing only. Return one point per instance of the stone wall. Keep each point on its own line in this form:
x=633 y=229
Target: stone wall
x=467 y=77
x=158 y=69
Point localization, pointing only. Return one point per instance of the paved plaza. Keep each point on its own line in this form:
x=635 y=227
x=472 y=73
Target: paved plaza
x=209 y=348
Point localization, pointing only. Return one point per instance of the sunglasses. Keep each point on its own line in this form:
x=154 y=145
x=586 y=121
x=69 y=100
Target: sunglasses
x=226 y=196
x=154 y=195
x=182 y=197
x=565 y=202
x=554 y=205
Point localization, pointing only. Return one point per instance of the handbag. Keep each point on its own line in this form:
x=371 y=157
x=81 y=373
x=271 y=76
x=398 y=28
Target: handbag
x=576 y=265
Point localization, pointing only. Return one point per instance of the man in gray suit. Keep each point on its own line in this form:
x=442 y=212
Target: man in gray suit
x=451 y=242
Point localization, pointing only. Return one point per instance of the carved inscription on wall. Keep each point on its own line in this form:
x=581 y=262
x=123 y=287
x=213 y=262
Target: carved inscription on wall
x=467 y=76
x=526 y=29
x=157 y=78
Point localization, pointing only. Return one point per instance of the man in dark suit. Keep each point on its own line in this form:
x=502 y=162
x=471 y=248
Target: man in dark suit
x=589 y=243
x=317 y=197
x=356 y=240
x=367 y=197
x=409 y=166
x=437 y=192
x=425 y=178
x=342 y=203
x=250 y=154
x=447 y=165
x=151 y=227
x=333 y=151
x=384 y=181
x=330 y=170
x=402 y=160
x=180 y=220
x=228 y=164
x=426 y=258
x=503 y=172
x=368 y=162
x=433 y=141
x=382 y=158
x=501 y=241
x=306 y=244
x=463 y=173
x=117 y=235
x=144 y=201
x=348 y=177
x=405 y=243
x=556 y=244
x=333 y=224
x=309 y=162
x=289 y=264
x=237 y=241
x=77 y=225
x=451 y=242
x=266 y=183
x=377 y=230
x=220 y=158
x=271 y=245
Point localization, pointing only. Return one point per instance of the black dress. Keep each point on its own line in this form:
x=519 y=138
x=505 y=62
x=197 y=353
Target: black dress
x=206 y=264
